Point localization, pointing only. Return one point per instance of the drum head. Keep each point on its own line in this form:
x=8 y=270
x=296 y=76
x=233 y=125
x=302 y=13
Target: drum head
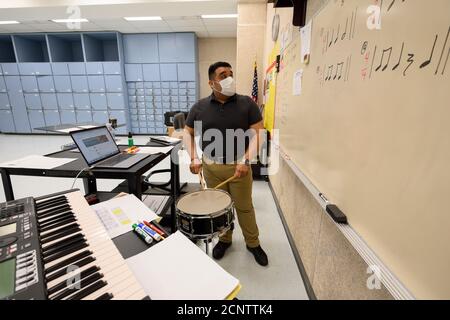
x=204 y=202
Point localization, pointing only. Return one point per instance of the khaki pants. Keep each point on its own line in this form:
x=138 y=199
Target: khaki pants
x=240 y=190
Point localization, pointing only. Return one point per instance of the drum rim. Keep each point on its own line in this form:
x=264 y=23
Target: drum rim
x=212 y=214
x=207 y=215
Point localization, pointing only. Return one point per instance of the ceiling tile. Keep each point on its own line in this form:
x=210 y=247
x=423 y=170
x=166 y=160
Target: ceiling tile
x=218 y=34
x=219 y=22
x=189 y=29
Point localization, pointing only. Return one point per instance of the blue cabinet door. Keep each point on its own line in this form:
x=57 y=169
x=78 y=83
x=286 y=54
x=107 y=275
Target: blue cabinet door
x=33 y=101
x=62 y=83
x=42 y=69
x=26 y=69
x=96 y=84
x=111 y=68
x=81 y=101
x=67 y=116
x=133 y=72
x=60 y=69
x=32 y=68
x=186 y=72
x=141 y=48
x=49 y=101
x=77 y=68
x=36 y=118
x=84 y=116
x=168 y=72
x=6 y=121
x=65 y=100
x=100 y=117
x=10 y=69
x=121 y=119
x=20 y=116
x=4 y=101
x=52 y=117
x=167 y=45
x=2 y=84
x=94 y=68
x=151 y=72
x=113 y=83
x=186 y=47
x=98 y=101
x=29 y=84
x=79 y=84
x=46 y=84
x=116 y=101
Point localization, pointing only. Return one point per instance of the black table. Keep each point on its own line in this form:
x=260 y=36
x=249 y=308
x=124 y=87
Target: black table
x=133 y=175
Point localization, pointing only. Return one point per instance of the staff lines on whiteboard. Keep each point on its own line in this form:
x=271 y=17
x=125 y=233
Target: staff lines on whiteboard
x=333 y=34
x=384 y=57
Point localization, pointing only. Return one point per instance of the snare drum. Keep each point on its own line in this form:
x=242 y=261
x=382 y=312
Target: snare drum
x=204 y=214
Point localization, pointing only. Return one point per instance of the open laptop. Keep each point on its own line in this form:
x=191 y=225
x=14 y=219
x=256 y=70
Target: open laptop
x=99 y=148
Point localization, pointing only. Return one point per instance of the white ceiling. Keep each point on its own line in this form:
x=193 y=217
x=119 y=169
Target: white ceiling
x=177 y=15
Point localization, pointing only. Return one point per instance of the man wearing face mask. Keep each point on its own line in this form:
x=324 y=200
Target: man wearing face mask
x=224 y=111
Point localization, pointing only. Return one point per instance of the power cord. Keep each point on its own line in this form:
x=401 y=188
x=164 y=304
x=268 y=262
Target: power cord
x=81 y=171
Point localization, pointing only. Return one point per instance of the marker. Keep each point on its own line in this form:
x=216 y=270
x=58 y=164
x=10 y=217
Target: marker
x=150 y=225
x=142 y=234
x=151 y=232
x=159 y=227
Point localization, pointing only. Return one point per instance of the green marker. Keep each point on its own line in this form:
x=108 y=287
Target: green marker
x=142 y=234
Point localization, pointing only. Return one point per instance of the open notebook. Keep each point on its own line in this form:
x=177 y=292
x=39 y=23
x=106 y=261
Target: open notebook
x=176 y=269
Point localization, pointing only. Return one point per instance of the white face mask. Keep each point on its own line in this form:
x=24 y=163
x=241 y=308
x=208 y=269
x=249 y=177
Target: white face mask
x=228 y=87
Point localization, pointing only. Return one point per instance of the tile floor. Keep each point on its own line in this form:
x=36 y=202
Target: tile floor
x=280 y=280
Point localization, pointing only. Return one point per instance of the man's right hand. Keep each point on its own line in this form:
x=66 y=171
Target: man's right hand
x=195 y=166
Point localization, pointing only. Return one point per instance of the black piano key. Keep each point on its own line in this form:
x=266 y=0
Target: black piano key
x=83 y=286
x=42 y=207
x=63 y=271
x=57 y=218
x=53 y=211
x=49 y=201
x=63 y=284
x=57 y=225
x=65 y=252
x=55 y=232
x=105 y=296
x=64 y=242
x=60 y=235
x=88 y=290
x=61 y=245
x=68 y=261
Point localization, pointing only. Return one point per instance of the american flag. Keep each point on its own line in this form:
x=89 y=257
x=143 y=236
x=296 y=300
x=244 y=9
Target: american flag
x=255 y=85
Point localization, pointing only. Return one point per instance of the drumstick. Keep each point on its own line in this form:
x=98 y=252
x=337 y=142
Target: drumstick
x=225 y=182
x=202 y=183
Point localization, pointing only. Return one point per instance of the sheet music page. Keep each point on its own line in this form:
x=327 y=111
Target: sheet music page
x=37 y=162
x=118 y=214
x=176 y=269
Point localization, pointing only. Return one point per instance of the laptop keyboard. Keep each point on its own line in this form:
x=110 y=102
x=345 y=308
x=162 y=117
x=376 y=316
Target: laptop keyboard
x=116 y=159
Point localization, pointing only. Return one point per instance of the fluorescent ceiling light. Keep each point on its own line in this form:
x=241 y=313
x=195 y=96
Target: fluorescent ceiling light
x=9 y=22
x=219 y=16
x=156 y=18
x=69 y=20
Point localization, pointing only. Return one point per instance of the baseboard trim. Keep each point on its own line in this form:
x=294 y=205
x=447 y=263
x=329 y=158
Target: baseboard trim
x=298 y=260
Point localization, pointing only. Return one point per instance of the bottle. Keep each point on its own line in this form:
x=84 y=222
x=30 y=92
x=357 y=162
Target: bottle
x=130 y=140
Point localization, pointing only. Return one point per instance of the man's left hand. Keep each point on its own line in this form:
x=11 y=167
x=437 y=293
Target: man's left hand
x=241 y=170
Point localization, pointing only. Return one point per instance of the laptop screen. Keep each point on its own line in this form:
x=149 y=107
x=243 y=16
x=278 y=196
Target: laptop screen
x=95 y=144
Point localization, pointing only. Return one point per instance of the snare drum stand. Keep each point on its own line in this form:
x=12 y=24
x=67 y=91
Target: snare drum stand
x=207 y=242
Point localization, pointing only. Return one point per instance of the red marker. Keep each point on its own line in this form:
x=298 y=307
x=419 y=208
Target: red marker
x=148 y=224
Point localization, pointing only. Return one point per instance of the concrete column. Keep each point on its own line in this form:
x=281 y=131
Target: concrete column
x=251 y=31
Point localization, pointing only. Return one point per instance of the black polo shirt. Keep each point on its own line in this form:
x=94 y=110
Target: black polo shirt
x=238 y=112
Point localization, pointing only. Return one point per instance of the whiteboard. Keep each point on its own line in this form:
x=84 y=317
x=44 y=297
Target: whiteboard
x=370 y=128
